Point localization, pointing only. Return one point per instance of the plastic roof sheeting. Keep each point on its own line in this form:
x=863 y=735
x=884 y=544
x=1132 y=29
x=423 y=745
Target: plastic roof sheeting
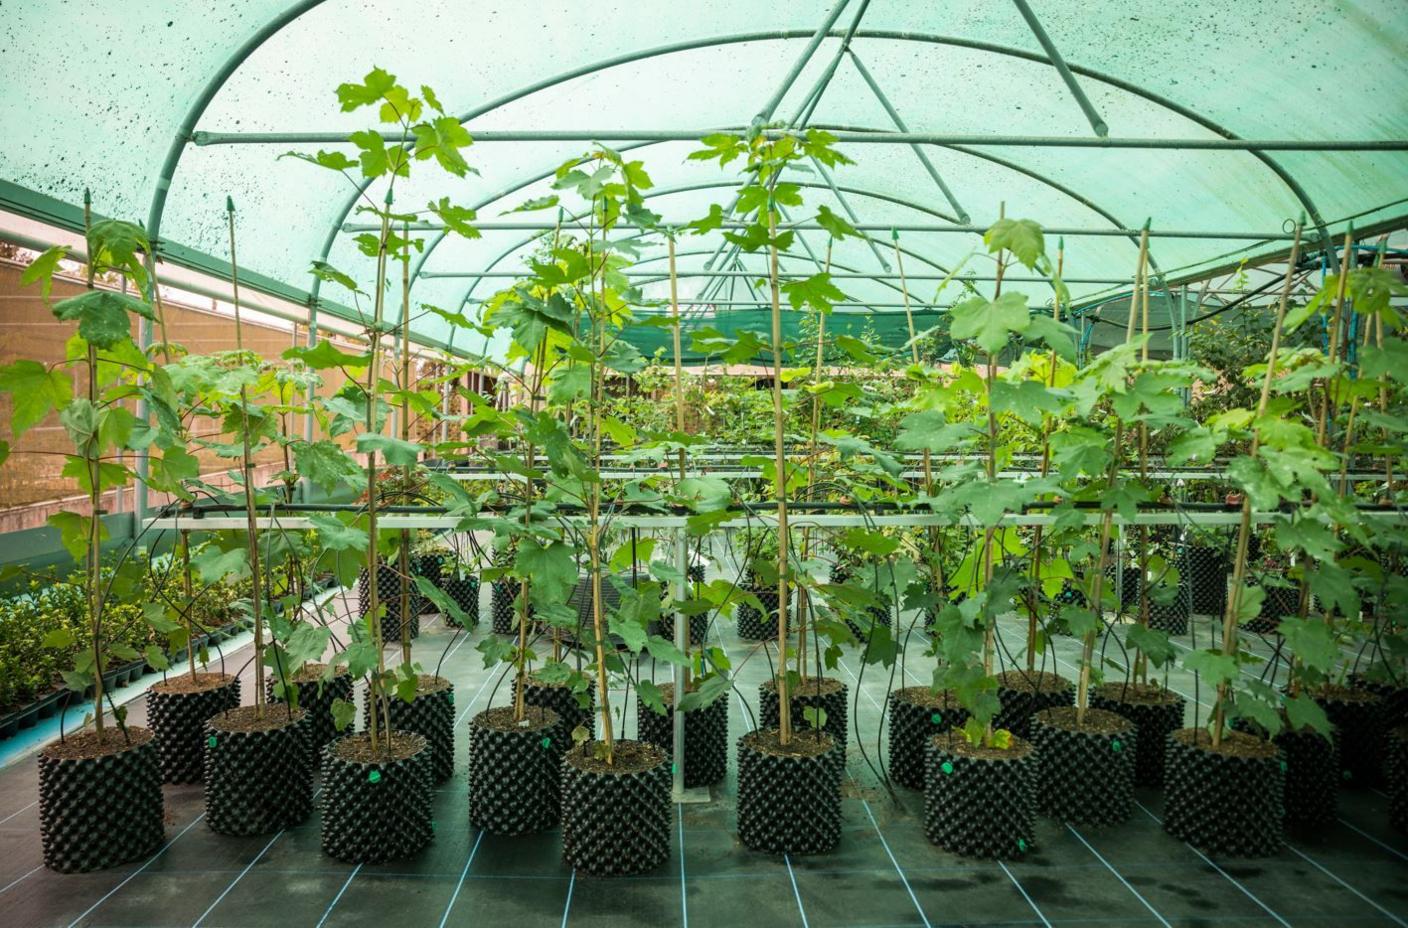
x=98 y=95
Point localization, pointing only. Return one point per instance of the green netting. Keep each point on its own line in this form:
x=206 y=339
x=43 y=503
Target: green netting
x=882 y=331
x=108 y=99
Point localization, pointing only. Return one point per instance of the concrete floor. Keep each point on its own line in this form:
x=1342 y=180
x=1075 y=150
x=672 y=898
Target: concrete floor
x=884 y=874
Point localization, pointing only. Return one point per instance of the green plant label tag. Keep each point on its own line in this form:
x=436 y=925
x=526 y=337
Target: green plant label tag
x=1022 y=845
x=672 y=769
x=211 y=742
x=946 y=767
x=1116 y=746
x=374 y=776
x=937 y=718
x=451 y=697
x=1283 y=766
x=547 y=743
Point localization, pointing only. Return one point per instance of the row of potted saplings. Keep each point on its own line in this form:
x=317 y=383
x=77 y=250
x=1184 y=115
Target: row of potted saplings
x=257 y=764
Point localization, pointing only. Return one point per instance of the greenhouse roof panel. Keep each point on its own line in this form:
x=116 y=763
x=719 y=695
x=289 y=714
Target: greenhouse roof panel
x=1149 y=69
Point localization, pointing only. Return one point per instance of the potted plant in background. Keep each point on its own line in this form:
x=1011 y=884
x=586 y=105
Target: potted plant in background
x=789 y=776
x=100 y=801
x=1225 y=789
x=377 y=784
x=980 y=779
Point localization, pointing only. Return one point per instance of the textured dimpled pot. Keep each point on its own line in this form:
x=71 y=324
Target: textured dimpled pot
x=388 y=588
x=432 y=715
x=1359 y=719
x=503 y=618
x=616 y=818
x=515 y=770
x=1228 y=801
x=376 y=805
x=463 y=590
x=1085 y=768
x=1207 y=579
x=258 y=770
x=980 y=802
x=100 y=801
x=812 y=693
x=1025 y=694
x=705 y=736
x=754 y=625
x=177 y=710
x=1157 y=713
x=789 y=796
x=317 y=696
x=563 y=700
x=916 y=714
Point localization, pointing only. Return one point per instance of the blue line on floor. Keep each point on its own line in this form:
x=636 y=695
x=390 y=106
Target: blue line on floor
x=886 y=845
x=797 y=894
x=567 y=907
x=328 y=911
x=1030 y=901
x=150 y=861
x=472 y=851
x=684 y=894
x=18 y=811
x=1308 y=859
x=1163 y=921
x=1392 y=850
x=21 y=879
x=1208 y=860
x=248 y=867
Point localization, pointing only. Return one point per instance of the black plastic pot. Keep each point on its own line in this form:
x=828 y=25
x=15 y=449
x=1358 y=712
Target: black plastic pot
x=1172 y=617
x=258 y=778
x=1280 y=602
x=1207 y=579
x=980 y=803
x=821 y=692
x=917 y=713
x=705 y=736
x=698 y=627
x=1313 y=776
x=388 y=594
x=1156 y=713
x=1128 y=587
x=1360 y=728
x=177 y=717
x=1069 y=595
x=1396 y=773
x=432 y=568
x=754 y=625
x=432 y=716
x=875 y=616
x=515 y=771
x=464 y=592
x=563 y=701
x=1023 y=695
x=1395 y=698
x=502 y=615
x=1221 y=802
x=376 y=810
x=1085 y=770
x=789 y=798
x=317 y=697
x=616 y=821
x=100 y=810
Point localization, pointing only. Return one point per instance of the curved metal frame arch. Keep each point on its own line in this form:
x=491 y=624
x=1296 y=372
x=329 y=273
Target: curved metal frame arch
x=255 y=41
x=713 y=185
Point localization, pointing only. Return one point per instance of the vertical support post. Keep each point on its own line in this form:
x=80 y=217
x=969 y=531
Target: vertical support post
x=306 y=485
x=681 y=642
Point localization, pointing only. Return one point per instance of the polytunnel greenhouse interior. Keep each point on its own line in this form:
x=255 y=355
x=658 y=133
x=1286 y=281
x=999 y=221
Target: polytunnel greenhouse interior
x=817 y=463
